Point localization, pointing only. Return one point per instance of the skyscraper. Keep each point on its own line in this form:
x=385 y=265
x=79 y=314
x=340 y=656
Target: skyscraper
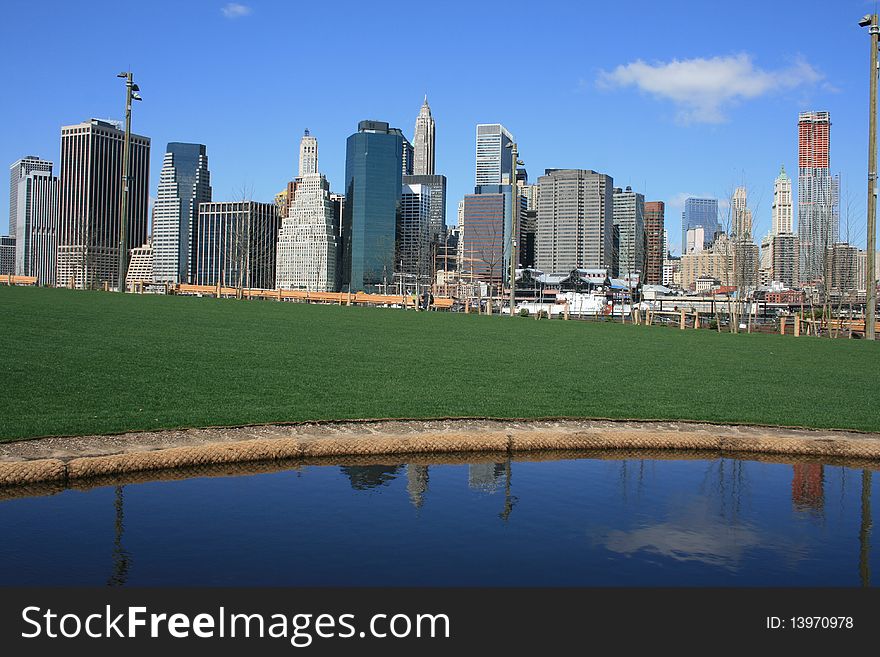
x=434 y=188
x=423 y=142
x=308 y=154
x=18 y=171
x=307 y=244
x=818 y=191
x=781 y=211
x=36 y=228
x=413 y=256
x=741 y=228
x=184 y=183
x=575 y=227
x=655 y=239
x=89 y=200
x=629 y=217
x=700 y=212
x=494 y=157
x=482 y=241
x=373 y=179
x=237 y=244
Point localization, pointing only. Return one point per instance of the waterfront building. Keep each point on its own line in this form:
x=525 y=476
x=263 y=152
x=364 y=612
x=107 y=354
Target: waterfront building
x=36 y=226
x=184 y=184
x=818 y=191
x=700 y=212
x=89 y=201
x=7 y=255
x=237 y=244
x=307 y=253
x=141 y=266
x=373 y=181
x=655 y=242
x=423 y=142
x=629 y=217
x=575 y=226
x=781 y=213
x=494 y=155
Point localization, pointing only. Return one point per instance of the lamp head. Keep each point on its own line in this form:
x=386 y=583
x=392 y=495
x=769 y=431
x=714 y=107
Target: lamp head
x=122 y=75
x=865 y=20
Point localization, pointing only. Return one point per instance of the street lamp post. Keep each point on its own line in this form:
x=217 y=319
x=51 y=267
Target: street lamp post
x=871 y=22
x=131 y=93
x=513 y=225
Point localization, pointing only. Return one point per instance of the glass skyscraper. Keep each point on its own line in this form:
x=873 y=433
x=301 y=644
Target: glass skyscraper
x=700 y=212
x=494 y=157
x=373 y=179
x=184 y=183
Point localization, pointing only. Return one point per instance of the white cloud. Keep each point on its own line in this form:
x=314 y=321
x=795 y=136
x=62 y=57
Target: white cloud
x=235 y=10
x=703 y=88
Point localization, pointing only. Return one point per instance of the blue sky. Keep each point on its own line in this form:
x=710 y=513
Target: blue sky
x=673 y=98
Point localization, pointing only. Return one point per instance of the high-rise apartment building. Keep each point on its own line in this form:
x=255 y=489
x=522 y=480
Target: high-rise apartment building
x=575 y=227
x=237 y=244
x=184 y=184
x=655 y=241
x=89 y=201
x=818 y=191
x=18 y=171
x=784 y=260
x=373 y=180
x=307 y=242
x=629 y=216
x=423 y=142
x=494 y=155
x=782 y=210
x=36 y=226
x=699 y=212
x=843 y=264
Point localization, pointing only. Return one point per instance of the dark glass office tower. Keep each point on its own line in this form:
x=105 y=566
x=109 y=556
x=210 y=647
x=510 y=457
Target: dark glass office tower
x=373 y=174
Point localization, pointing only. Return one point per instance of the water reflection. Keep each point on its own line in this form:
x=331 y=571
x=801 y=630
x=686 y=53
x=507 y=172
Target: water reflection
x=365 y=477
x=598 y=521
x=119 y=576
x=808 y=487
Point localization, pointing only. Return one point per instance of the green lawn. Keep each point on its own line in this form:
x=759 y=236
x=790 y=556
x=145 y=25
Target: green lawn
x=93 y=362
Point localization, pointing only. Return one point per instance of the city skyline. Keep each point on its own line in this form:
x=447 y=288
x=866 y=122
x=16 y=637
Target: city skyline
x=603 y=115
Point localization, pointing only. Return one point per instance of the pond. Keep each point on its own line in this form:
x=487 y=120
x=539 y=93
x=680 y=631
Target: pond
x=530 y=521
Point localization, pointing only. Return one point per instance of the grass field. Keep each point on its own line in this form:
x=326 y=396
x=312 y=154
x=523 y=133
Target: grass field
x=92 y=362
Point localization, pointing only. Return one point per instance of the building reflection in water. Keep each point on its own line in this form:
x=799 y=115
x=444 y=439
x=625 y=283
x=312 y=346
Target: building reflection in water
x=121 y=559
x=417 y=484
x=808 y=487
x=485 y=477
x=365 y=477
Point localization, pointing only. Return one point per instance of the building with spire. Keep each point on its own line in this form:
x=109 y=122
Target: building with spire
x=423 y=142
x=741 y=228
x=306 y=253
x=781 y=212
